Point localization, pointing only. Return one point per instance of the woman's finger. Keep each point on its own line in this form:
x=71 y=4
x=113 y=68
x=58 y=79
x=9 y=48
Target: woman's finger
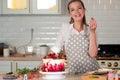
x=92 y=23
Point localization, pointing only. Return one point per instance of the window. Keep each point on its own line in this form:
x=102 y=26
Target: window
x=46 y=6
x=31 y=6
x=16 y=4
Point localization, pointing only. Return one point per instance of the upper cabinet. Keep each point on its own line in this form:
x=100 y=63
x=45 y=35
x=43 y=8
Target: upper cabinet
x=32 y=6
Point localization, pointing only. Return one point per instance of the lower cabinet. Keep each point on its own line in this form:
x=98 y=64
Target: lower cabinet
x=27 y=64
x=11 y=66
x=5 y=66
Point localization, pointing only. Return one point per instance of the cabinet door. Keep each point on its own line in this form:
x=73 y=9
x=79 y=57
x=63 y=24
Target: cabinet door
x=15 y=6
x=45 y=6
x=27 y=64
x=0 y=7
x=5 y=66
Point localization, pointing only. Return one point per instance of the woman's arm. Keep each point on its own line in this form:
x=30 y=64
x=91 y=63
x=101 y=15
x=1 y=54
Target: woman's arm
x=93 y=42
x=59 y=41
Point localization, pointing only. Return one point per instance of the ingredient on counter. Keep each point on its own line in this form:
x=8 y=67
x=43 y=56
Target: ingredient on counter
x=111 y=75
x=100 y=73
x=9 y=77
x=117 y=75
x=31 y=73
x=22 y=71
x=9 y=73
x=93 y=76
x=25 y=77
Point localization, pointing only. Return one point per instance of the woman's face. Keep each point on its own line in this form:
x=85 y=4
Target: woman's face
x=76 y=11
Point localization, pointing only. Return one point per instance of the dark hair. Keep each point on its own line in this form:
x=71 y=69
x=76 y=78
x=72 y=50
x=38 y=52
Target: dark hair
x=84 y=18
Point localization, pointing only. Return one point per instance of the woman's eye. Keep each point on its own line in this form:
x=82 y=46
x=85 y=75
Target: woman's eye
x=72 y=10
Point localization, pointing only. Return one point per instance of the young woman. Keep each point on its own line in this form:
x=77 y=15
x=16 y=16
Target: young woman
x=79 y=40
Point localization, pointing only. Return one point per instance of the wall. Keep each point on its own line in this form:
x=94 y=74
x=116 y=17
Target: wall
x=107 y=15
x=15 y=30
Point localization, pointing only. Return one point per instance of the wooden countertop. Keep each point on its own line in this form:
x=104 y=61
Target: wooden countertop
x=108 y=58
x=68 y=77
x=88 y=76
x=75 y=77
x=29 y=58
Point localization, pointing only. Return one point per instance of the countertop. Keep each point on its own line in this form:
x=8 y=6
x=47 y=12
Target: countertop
x=68 y=77
x=72 y=77
x=33 y=58
x=29 y=58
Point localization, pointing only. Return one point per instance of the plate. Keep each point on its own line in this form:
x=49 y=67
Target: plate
x=9 y=77
x=100 y=73
x=104 y=69
x=53 y=75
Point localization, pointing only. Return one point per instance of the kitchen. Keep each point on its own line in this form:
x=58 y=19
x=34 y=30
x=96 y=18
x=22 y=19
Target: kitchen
x=16 y=29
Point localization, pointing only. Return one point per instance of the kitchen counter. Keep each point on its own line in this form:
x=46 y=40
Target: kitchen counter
x=74 y=77
x=68 y=77
x=29 y=58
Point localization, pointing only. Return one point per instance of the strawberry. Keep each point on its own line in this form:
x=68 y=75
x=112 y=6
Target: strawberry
x=30 y=76
x=42 y=69
x=46 y=69
x=50 y=68
x=36 y=74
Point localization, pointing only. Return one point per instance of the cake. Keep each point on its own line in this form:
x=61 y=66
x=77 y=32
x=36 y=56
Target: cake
x=53 y=63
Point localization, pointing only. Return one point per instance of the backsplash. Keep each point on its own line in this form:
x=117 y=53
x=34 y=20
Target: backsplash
x=15 y=30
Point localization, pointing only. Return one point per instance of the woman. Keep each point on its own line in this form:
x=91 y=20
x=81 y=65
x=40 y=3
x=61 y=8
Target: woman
x=79 y=40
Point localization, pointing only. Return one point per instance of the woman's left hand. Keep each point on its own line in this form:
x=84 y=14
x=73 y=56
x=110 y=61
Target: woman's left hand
x=92 y=24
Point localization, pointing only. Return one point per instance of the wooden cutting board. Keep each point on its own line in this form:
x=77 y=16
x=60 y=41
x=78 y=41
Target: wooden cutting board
x=88 y=76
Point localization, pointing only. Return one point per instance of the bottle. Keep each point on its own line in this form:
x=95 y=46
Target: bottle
x=111 y=75
x=6 y=52
x=117 y=76
x=25 y=77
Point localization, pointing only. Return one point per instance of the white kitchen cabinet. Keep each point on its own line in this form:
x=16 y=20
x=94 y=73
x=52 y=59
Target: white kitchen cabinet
x=5 y=66
x=0 y=8
x=11 y=66
x=27 y=64
x=32 y=6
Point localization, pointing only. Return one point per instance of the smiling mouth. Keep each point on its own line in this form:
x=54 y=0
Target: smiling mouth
x=78 y=15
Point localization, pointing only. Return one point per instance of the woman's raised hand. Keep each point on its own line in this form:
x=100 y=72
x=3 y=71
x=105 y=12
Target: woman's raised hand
x=92 y=24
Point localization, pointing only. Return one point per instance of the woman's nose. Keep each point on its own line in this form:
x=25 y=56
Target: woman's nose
x=77 y=11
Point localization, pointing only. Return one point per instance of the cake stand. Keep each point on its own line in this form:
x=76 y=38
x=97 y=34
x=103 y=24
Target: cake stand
x=53 y=75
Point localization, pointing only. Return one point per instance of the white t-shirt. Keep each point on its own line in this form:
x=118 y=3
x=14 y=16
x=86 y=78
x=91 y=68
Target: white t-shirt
x=62 y=39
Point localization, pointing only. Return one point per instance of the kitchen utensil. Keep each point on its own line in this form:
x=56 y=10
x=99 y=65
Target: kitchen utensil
x=44 y=50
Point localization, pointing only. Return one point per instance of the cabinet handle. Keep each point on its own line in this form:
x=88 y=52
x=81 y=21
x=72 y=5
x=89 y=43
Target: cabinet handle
x=11 y=64
x=16 y=65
